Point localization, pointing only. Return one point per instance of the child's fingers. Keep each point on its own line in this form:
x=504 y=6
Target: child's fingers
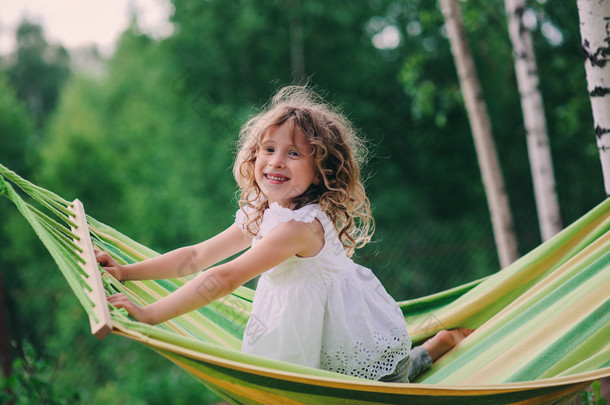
x=102 y=258
x=119 y=300
x=108 y=263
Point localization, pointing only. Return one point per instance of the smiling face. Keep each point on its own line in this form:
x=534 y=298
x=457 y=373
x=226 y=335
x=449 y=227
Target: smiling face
x=284 y=167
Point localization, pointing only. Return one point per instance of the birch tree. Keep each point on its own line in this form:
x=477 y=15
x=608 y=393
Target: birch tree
x=539 y=152
x=501 y=219
x=595 y=34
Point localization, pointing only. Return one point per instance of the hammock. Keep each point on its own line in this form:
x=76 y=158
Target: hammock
x=543 y=323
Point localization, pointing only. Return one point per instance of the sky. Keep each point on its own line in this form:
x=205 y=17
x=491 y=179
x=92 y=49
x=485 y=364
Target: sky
x=77 y=23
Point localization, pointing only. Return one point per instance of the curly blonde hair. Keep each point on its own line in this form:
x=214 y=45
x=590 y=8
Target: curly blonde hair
x=338 y=153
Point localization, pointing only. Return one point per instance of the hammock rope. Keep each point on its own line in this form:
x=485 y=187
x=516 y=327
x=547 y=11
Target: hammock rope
x=543 y=323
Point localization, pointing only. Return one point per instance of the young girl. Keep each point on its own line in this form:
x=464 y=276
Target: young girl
x=303 y=212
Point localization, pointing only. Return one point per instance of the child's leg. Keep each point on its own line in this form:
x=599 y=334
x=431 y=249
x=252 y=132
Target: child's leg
x=422 y=357
x=420 y=362
x=444 y=341
x=432 y=349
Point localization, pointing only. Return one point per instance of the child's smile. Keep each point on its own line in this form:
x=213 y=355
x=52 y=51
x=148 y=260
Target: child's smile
x=284 y=167
x=275 y=178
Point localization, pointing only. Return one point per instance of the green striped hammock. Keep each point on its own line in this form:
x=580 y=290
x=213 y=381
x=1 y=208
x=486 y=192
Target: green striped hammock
x=543 y=323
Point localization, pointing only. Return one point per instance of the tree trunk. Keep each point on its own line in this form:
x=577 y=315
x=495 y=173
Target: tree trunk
x=297 y=47
x=493 y=182
x=535 y=123
x=595 y=33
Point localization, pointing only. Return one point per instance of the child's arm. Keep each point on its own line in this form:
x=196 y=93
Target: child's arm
x=182 y=261
x=284 y=241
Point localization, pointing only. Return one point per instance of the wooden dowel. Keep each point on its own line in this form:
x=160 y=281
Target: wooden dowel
x=101 y=326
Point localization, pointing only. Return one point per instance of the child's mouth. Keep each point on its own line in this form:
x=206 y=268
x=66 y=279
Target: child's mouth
x=276 y=178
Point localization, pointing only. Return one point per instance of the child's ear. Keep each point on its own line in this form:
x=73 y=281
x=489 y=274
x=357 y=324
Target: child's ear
x=317 y=180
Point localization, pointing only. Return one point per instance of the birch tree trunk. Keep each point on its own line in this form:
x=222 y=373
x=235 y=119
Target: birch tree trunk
x=541 y=164
x=491 y=174
x=595 y=33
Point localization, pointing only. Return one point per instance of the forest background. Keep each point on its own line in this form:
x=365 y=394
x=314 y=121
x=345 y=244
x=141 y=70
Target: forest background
x=145 y=138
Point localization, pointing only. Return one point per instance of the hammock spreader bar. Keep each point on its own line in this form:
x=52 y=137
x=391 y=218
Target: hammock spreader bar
x=101 y=324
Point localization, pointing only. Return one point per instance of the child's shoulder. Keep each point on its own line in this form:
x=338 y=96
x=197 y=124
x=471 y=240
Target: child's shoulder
x=311 y=217
x=307 y=213
x=304 y=214
x=299 y=226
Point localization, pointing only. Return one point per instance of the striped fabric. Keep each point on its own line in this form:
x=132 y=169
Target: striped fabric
x=542 y=324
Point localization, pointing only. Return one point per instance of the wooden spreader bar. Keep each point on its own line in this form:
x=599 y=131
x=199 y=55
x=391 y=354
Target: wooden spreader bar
x=103 y=325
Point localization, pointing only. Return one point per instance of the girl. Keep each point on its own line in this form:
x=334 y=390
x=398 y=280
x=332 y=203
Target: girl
x=303 y=212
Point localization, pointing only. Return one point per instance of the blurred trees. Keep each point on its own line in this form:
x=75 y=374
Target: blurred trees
x=15 y=128
x=148 y=148
x=39 y=71
x=437 y=145
x=15 y=132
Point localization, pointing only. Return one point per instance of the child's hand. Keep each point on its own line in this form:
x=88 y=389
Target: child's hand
x=136 y=312
x=109 y=264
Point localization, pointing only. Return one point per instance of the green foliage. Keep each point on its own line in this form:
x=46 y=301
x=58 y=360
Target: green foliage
x=32 y=382
x=139 y=125
x=39 y=71
x=593 y=396
x=15 y=129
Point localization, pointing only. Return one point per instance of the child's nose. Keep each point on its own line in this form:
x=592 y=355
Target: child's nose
x=276 y=161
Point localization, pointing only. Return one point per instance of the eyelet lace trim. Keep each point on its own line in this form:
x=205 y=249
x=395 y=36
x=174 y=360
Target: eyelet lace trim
x=366 y=360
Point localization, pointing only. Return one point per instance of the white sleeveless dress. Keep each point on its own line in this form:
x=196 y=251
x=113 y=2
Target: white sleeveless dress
x=324 y=311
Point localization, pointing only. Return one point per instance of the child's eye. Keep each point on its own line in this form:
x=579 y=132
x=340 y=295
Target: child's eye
x=293 y=153
x=268 y=149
